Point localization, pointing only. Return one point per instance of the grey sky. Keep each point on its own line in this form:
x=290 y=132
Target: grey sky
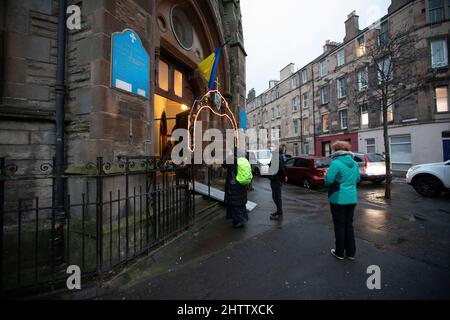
x=283 y=31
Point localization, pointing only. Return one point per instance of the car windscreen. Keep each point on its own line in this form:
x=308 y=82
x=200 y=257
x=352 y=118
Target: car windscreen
x=263 y=155
x=323 y=163
x=374 y=157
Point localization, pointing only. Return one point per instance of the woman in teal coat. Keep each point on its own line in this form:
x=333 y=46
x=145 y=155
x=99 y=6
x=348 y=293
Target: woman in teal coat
x=341 y=179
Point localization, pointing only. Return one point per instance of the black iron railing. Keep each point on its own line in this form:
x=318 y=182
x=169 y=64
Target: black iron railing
x=112 y=214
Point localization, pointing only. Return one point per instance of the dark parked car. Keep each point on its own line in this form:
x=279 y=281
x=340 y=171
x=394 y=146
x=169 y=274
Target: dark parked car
x=307 y=171
x=372 y=167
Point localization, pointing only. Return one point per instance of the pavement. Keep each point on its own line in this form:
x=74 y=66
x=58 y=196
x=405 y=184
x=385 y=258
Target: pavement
x=407 y=238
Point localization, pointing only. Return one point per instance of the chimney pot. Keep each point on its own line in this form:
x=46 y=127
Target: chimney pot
x=351 y=14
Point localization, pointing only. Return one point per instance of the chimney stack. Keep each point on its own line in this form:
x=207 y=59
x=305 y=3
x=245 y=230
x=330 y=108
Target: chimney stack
x=329 y=45
x=251 y=94
x=351 y=26
x=397 y=4
x=287 y=71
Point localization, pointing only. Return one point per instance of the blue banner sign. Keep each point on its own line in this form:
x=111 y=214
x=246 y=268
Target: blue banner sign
x=130 y=67
x=243 y=119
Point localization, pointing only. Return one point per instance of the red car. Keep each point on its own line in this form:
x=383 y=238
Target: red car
x=307 y=171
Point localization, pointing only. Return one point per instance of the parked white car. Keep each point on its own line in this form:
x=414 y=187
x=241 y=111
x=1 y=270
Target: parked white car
x=260 y=161
x=430 y=180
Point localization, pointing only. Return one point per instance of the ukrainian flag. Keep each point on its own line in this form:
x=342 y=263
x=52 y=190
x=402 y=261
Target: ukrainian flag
x=208 y=67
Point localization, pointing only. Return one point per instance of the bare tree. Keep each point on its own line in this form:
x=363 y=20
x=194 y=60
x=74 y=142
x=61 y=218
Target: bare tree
x=389 y=70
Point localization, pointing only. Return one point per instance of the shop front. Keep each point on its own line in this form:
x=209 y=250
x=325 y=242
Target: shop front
x=323 y=143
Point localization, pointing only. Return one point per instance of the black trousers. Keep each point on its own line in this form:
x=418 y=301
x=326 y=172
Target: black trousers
x=276 y=186
x=237 y=214
x=343 y=229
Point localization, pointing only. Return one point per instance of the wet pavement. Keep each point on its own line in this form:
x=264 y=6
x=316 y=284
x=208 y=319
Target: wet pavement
x=407 y=237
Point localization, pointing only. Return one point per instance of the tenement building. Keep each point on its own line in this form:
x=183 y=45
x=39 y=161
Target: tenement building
x=338 y=97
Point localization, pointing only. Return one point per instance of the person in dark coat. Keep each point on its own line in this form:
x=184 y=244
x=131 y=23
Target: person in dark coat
x=276 y=183
x=235 y=197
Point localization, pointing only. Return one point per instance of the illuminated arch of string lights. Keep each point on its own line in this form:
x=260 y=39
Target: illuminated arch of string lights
x=204 y=104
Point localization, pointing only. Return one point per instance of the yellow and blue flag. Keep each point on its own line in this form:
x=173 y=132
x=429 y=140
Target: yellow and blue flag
x=208 y=67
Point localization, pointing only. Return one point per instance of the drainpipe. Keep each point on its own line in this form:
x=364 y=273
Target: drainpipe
x=58 y=216
x=314 y=109
x=301 y=120
x=60 y=97
x=4 y=6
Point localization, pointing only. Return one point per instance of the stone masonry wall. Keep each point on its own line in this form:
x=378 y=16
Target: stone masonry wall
x=104 y=121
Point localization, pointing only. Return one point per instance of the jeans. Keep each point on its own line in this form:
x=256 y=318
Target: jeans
x=276 y=186
x=343 y=229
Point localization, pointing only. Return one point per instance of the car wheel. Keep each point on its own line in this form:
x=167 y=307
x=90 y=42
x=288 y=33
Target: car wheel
x=257 y=172
x=427 y=186
x=306 y=184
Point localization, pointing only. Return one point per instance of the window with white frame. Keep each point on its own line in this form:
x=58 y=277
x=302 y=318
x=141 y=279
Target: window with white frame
x=363 y=79
x=278 y=112
x=385 y=71
x=296 y=150
x=343 y=118
x=324 y=95
x=325 y=124
x=436 y=10
x=383 y=35
x=364 y=115
x=342 y=88
x=273 y=113
x=323 y=68
x=295 y=104
x=305 y=76
x=294 y=82
x=439 y=53
x=361 y=46
x=296 y=127
x=305 y=125
x=390 y=113
x=341 y=58
x=441 y=99
x=178 y=83
x=275 y=133
x=305 y=100
x=163 y=75
x=306 y=148
x=401 y=155
x=370 y=145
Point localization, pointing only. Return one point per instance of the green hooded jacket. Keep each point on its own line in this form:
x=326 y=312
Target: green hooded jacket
x=341 y=178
